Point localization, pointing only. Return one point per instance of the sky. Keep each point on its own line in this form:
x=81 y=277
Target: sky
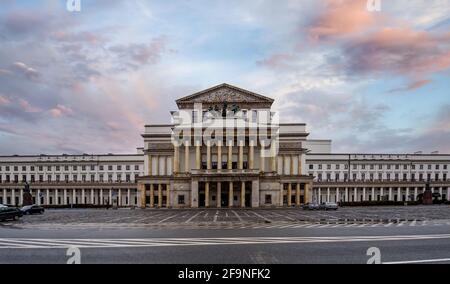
x=371 y=80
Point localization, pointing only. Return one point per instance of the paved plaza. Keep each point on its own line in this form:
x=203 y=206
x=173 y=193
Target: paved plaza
x=231 y=218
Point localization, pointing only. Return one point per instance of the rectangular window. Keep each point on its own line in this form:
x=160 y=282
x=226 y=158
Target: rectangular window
x=337 y=177
x=49 y=168
x=437 y=167
x=66 y=168
x=136 y=167
x=92 y=168
x=110 y=168
x=119 y=167
x=75 y=168
x=436 y=177
x=354 y=176
x=345 y=177
x=380 y=167
x=24 y=168
x=268 y=199
x=405 y=167
x=83 y=168
x=404 y=177
x=75 y=178
x=355 y=167
x=320 y=167
x=127 y=167
x=181 y=199
x=66 y=178
x=101 y=168
x=58 y=168
x=58 y=178
x=413 y=178
x=49 y=178
x=319 y=178
x=92 y=178
x=328 y=167
x=380 y=176
x=388 y=176
x=337 y=166
x=83 y=178
x=127 y=178
x=311 y=167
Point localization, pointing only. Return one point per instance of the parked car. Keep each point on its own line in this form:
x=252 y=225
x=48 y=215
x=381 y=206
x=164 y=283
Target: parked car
x=10 y=213
x=32 y=209
x=328 y=206
x=310 y=206
x=3 y=206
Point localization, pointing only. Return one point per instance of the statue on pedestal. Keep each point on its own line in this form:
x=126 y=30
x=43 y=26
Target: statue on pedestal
x=27 y=198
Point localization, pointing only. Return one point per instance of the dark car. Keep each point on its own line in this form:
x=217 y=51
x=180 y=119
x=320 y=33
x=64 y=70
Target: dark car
x=10 y=213
x=32 y=209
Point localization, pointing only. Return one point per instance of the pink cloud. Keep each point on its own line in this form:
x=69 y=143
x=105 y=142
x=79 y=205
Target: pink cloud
x=341 y=18
x=27 y=107
x=412 y=86
x=4 y=101
x=61 y=110
x=399 y=50
x=26 y=70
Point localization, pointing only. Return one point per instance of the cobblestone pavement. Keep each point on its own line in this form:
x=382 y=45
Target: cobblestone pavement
x=385 y=216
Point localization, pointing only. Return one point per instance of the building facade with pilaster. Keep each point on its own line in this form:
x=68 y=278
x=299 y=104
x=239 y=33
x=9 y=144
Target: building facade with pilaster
x=223 y=148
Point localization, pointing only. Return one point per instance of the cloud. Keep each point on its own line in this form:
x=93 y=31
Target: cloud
x=398 y=50
x=138 y=54
x=4 y=100
x=27 y=107
x=61 y=110
x=340 y=18
x=412 y=86
x=25 y=70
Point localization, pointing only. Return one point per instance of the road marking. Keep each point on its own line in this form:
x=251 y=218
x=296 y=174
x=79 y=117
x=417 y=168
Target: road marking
x=18 y=243
x=262 y=217
x=389 y=224
x=413 y=223
x=193 y=216
x=237 y=215
x=165 y=219
x=417 y=261
x=215 y=216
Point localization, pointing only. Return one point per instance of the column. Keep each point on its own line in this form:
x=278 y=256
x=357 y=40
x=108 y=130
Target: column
x=319 y=197
x=255 y=193
x=230 y=157
x=373 y=194
x=273 y=158
x=241 y=155
x=243 y=194
x=65 y=197
x=74 y=195
x=157 y=166
x=338 y=198
x=92 y=196
x=110 y=197
x=297 y=194
x=101 y=196
x=415 y=193
x=82 y=196
x=206 y=194
x=251 y=154
x=38 y=196
x=307 y=188
x=407 y=194
x=176 y=159
x=364 y=194
x=289 y=193
x=390 y=193
x=129 y=197
x=440 y=192
x=13 y=197
x=219 y=194
x=186 y=158
x=346 y=194
x=291 y=157
x=355 y=193
x=198 y=157
x=328 y=194
x=399 y=193
x=230 y=195
x=150 y=165
x=152 y=196
x=194 y=194
x=299 y=165
x=448 y=193
x=119 y=198
x=166 y=168
x=56 y=197
x=219 y=156
x=381 y=192
x=262 y=160
x=47 y=197
x=208 y=155
x=168 y=195
x=4 y=196
x=160 y=195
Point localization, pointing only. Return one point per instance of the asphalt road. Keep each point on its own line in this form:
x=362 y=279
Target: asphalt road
x=314 y=243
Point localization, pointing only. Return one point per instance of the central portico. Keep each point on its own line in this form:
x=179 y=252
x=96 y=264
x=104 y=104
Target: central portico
x=224 y=148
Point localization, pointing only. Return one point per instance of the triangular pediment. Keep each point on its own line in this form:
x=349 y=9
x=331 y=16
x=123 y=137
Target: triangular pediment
x=224 y=93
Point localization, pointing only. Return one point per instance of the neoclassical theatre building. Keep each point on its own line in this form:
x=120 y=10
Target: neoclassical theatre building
x=223 y=148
